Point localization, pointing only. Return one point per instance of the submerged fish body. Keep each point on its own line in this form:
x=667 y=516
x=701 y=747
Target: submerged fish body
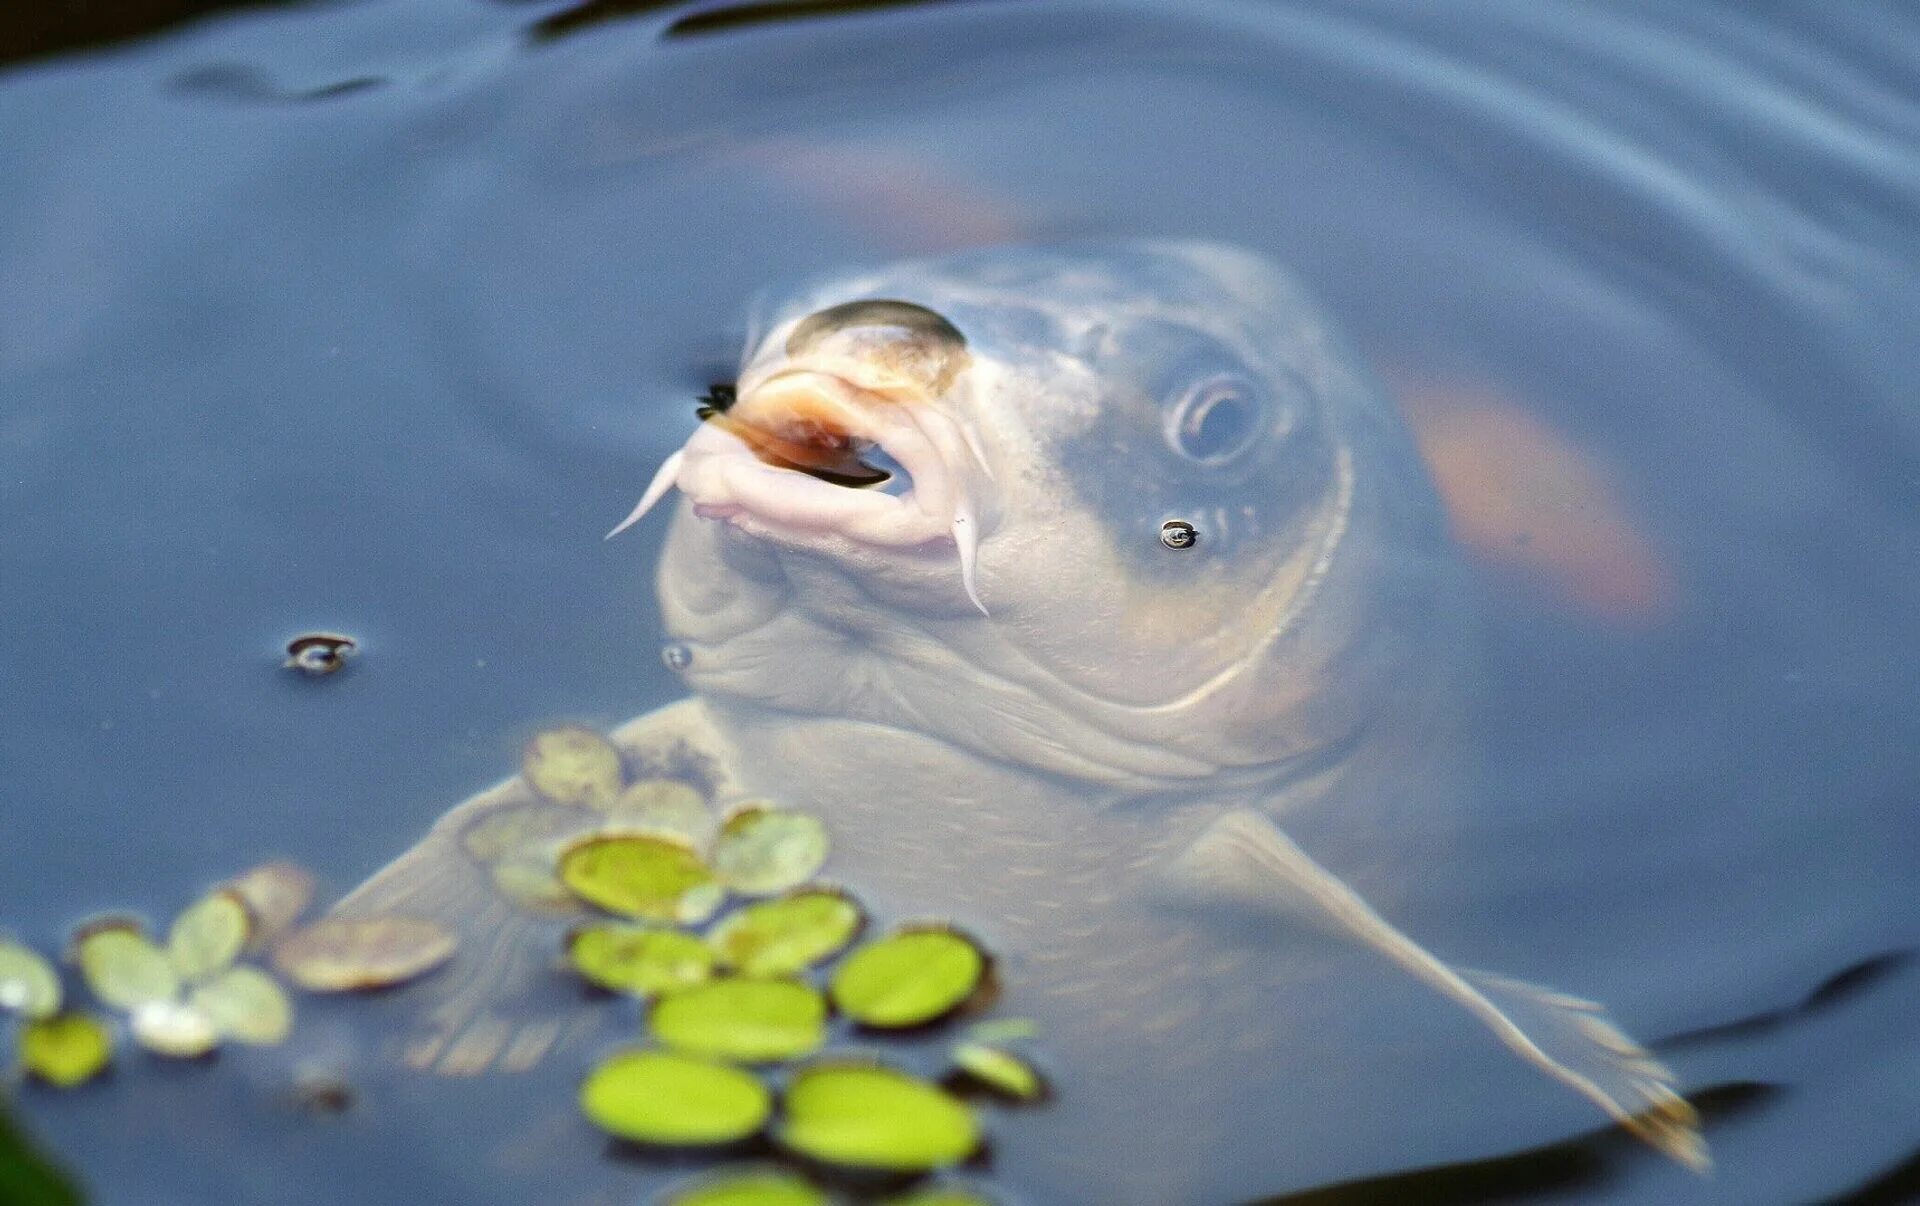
x=1016 y=706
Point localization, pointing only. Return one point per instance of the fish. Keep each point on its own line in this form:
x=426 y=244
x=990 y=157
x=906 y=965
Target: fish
x=1066 y=585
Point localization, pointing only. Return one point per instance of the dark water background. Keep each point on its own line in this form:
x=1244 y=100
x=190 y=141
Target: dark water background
x=374 y=316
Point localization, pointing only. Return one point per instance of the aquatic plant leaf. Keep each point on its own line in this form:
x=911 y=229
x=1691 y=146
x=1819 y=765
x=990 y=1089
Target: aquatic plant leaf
x=762 y=851
x=208 y=936
x=908 y=978
x=674 y=1100
x=665 y=806
x=532 y=884
x=1000 y=1070
x=1003 y=1030
x=123 y=968
x=653 y=877
x=786 y=936
x=523 y=831
x=245 y=1004
x=346 y=954
x=747 y=1187
x=28 y=984
x=66 y=1049
x=640 y=960
x=275 y=895
x=939 y=1195
x=572 y=766
x=747 y=1021
x=870 y=1116
x=173 y=1029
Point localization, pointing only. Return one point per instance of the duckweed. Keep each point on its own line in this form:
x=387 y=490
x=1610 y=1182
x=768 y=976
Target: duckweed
x=762 y=850
x=665 y=806
x=786 y=936
x=643 y=961
x=746 y=1021
x=572 y=766
x=908 y=978
x=657 y=1097
x=28 y=984
x=245 y=1004
x=1000 y=1070
x=208 y=936
x=870 y=1116
x=748 y=1187
x=65 y=1049
x=653 y=877
x=122 y=967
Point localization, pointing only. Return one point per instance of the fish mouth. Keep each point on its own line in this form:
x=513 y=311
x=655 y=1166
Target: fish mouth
x=784 y=461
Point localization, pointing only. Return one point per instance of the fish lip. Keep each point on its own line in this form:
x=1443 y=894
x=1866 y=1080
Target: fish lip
x=725 y=479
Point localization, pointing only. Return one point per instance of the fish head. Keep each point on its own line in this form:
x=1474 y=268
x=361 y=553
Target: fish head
x=1128 y=512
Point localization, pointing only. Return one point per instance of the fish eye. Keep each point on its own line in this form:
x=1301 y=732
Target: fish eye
x=1216 y=419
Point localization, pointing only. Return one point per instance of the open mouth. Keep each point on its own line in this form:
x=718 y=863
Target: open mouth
x=802 y=453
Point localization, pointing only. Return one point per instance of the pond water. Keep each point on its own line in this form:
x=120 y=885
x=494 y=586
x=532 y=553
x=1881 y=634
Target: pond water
x=374 y=317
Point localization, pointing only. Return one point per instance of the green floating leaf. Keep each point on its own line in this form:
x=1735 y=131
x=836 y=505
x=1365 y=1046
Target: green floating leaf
x=208 y=936
x=650 y=876
x=275 y=895
x=869 y=1116
x=572 y=766
x=65 y=1050
x=1000 y=1070
x=347 y=954
x=173 y=1029
x=786 y=936
x=747 y=1187
x=762 y=851
x=747 y=1021
x=123 y=968
x=637 y=959
x=674 y=1100
x=939 y=1195
x=530 y=882
x=665 y=806
x=515 y=830
x=1003 y=1030
x=908 y=978
x=246 y=1005
x=28 y=984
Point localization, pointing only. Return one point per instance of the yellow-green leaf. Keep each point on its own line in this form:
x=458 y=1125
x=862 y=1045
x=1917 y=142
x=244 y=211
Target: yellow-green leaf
x=345 y=954
x=908 y=978
x=208 y=936
x=174 y=1029
x=748 y=1021
x=762 y=851
x=747 y=1187
x=786 y=936
x=869 y=1116
x=637 y=959
x=245 y=1004
x=66 y=1049
x=1000 y=1070
x=123 y=968
x=572 y=766
x=28 y=984
x=675 y=1100
x=654 y=877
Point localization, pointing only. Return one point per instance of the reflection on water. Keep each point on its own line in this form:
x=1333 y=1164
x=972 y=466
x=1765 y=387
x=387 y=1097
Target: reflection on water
x=391 y=364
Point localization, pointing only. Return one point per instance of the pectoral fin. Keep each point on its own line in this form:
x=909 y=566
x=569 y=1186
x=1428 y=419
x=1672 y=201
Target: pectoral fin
x=1245 y=859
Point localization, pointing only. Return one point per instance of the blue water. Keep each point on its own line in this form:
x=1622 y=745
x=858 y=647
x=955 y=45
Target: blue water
x=372 y=317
